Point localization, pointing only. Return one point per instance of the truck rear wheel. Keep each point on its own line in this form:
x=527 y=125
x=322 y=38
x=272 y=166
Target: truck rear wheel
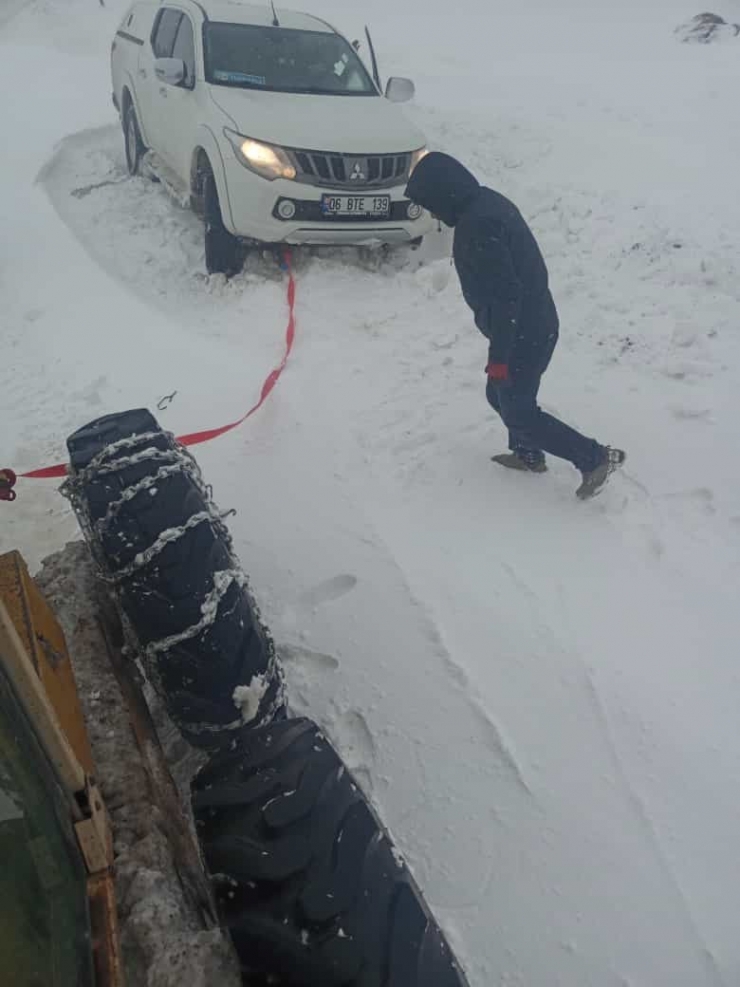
x=135 y=148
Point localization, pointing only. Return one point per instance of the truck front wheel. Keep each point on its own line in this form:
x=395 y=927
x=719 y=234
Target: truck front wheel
x=224 y=253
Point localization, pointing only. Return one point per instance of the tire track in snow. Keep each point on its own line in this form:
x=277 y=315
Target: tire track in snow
x=712 y=969
x=640 y=808
x=502 y=745
x=499 y=743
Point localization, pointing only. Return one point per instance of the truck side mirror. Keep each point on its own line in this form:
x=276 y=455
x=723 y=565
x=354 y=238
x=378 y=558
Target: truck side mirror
x=399 y=90
x=171 y=71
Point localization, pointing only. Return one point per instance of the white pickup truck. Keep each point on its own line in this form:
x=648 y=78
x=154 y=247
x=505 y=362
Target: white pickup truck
x=269 y=123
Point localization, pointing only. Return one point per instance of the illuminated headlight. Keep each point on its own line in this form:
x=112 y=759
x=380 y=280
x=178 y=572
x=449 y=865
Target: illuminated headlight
x=286 y=209
x=416 y=157
x=414 y=210
x=264 y=159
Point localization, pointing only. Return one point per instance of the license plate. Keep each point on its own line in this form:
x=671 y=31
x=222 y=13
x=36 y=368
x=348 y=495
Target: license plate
x=377 y=206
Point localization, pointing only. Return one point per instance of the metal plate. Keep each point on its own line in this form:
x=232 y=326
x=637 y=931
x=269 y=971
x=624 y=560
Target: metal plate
x=356 y=206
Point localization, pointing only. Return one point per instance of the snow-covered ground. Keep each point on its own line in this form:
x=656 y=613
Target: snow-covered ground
x=540 y=695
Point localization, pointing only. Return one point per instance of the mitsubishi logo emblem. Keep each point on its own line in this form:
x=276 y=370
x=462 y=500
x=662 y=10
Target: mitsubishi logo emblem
x=357 y=171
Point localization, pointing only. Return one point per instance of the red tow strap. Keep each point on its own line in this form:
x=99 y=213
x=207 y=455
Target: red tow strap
x=8 y=477
x=195 y=438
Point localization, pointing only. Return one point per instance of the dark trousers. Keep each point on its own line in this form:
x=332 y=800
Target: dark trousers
x=530 y=428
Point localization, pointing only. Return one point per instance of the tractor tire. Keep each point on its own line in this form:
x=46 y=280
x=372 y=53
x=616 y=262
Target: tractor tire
x=307 y=881
x=163 y=546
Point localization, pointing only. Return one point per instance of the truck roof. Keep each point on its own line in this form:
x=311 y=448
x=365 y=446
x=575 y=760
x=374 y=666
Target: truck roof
x=235 y=12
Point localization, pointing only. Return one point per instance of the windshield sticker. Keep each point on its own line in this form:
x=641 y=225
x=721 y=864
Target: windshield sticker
x=341 y=66
x=255 y=80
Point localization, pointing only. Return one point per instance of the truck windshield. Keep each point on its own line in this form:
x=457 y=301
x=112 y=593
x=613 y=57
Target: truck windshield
x=281 y=60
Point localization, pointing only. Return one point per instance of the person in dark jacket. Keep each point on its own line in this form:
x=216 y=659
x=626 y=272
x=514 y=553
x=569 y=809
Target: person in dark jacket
x=504 y=281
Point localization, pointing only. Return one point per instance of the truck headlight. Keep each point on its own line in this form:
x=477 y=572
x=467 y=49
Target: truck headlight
x=416 y=157
x=263 y=159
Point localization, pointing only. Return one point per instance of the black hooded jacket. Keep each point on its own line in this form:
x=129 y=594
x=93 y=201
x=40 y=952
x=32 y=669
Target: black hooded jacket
x=501 y=270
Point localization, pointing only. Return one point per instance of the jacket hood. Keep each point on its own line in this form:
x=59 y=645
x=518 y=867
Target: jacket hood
x=442 y=186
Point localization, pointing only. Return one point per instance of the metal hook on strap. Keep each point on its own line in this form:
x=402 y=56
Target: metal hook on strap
x=7 y=482
x=285 y=259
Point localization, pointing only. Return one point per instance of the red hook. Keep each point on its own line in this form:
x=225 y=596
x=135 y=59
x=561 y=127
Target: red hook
x=7 y=482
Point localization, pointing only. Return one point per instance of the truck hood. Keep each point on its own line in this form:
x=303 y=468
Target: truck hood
x=343 y=124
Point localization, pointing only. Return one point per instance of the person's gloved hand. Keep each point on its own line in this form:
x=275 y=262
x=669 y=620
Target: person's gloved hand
x=498 y=373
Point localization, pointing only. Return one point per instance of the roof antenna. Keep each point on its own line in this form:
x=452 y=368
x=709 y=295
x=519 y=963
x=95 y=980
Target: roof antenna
x=275 y=21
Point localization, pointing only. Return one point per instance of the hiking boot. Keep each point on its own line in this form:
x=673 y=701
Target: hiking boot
x=594 y=480
x=527 y=462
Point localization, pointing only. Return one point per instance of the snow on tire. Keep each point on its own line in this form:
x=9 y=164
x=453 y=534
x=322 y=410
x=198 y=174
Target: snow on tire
x=164 y=548
x=307 y=881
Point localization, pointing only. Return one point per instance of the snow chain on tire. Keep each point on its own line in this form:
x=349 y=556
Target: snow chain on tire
x=307 y=880
x=163 y=547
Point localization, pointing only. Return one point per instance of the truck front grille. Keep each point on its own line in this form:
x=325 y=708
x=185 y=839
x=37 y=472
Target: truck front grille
x=351 y=171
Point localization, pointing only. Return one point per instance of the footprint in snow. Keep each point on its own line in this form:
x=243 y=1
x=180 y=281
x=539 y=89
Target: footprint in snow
x=310 y=676
x=683 y=413
x=327 y=591
x=703 y=497
x=314 y=660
